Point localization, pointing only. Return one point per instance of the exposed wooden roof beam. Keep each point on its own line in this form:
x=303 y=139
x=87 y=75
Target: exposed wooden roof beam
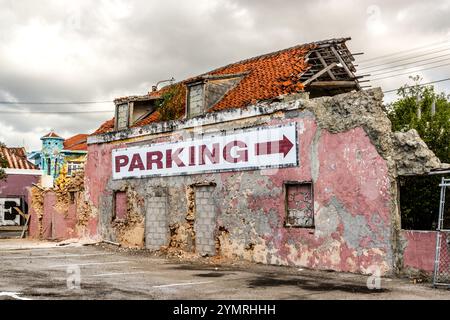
x=334 y=84
x=322 y=60
x=344 y=65
x=321 y=72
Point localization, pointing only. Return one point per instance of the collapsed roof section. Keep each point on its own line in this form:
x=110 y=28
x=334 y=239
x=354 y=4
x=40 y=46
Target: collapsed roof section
x=330 y=69
x=322 y=68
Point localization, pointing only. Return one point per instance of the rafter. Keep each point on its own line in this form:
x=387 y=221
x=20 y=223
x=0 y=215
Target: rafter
x=322 y=60
x=344 y=65
x=318 y=74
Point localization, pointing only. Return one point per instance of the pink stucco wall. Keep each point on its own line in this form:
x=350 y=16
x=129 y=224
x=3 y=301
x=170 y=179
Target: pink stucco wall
x=352 y=200
x=420 y=249
x=16 y=184
x=58 y=225
x=62 y=224
x=120 y=205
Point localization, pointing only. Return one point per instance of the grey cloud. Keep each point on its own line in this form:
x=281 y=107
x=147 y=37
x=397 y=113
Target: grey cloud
x=86 y=50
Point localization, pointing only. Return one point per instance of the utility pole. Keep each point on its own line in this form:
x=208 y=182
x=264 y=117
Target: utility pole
x=419 y=111
x=433 y=107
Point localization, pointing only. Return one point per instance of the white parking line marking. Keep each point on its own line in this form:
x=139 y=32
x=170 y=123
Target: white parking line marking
x=14 y=295
x=182 y=284
x=60 y=256
x=118 y=274
x=88 y=264
x=19 y=250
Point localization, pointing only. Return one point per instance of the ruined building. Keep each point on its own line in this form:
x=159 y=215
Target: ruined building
x=278 y=159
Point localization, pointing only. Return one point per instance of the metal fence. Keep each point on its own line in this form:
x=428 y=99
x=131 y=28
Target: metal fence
x=442 y=261
x=442 y=264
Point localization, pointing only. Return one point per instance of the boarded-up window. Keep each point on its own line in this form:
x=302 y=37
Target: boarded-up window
x=120 y=205
x=299 y=205
x=122 y=116
x=196 y=100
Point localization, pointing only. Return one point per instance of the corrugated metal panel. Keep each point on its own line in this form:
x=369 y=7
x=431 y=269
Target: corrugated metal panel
x=16 y=158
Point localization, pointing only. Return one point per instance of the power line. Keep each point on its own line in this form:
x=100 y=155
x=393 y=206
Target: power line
x=403 y=51
x=403 y=59
x=406 y=68
x=410 y=72
x=420 y=85
x=412 y=62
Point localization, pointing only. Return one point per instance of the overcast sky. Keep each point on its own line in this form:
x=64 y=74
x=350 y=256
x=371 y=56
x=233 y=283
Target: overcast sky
x=60 y=50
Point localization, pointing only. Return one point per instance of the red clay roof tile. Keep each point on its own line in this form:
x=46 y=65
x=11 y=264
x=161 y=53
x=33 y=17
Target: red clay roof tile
x=76 y=143
x=16 y=158
x=52 y=135
x=266 y=77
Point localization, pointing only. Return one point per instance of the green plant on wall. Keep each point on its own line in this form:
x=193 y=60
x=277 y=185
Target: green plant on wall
x=170 y=106
x=3 y=164
x=422 y=109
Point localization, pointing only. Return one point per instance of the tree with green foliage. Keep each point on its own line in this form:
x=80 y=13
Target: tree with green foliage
x=421 y=108
x=3 y=164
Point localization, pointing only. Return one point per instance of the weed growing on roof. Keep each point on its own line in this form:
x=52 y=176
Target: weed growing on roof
x=3 y=163
x=170 y=106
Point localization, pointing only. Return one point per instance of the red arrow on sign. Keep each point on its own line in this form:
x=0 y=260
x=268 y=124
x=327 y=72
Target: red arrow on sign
x=280 y=146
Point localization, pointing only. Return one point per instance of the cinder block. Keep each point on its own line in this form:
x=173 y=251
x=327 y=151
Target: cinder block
x=200 y=235
x=152 y=224
x=212 y=220
x=163 y=230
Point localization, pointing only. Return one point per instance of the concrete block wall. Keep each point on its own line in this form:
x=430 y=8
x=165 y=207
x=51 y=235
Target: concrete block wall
x=157 y=224
x=205 y=222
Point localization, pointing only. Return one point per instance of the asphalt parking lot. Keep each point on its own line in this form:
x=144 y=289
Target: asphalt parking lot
x=46 y=271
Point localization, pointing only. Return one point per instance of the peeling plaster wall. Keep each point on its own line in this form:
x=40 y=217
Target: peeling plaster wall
x=61 y=212
x=48 y=221
x=346 y=149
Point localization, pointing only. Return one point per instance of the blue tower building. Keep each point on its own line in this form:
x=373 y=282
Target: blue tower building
x=52 y=158
x=57 y=152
